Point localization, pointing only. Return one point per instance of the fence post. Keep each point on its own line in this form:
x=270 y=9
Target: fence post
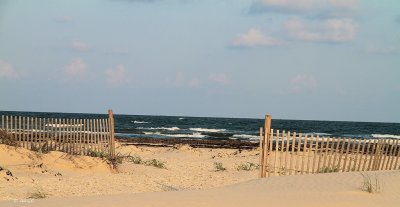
x=112 y=139
x=261 y=152
x=267 y=137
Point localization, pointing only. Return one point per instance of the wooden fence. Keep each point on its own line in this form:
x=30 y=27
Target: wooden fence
x=73 y=136
x=286 y=153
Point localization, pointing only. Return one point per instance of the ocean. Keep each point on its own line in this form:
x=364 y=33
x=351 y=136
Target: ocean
x=244 y=129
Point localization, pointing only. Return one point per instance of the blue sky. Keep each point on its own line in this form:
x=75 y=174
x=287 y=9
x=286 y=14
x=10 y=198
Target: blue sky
x=303 y=59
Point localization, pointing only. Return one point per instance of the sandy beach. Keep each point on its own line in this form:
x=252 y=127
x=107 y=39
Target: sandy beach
x=189 y=178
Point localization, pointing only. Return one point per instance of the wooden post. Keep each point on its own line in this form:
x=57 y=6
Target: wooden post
x=112 y=139
x=261 y=153
x=267 y=136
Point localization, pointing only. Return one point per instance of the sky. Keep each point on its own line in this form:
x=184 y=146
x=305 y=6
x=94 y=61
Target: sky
x=294 y=59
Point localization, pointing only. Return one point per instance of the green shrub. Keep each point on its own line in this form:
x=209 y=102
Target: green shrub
x=328 y=169
x=155 y=163
x=7 y=139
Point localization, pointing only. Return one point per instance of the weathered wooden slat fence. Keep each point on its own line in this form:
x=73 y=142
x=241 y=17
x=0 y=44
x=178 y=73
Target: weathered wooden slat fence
x=286 y=153
x=73 y=136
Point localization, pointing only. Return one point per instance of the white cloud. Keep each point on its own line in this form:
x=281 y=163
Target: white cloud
x=7 y=71
x=116 y=76
x=331 y=30
x=80 y=46
x=220 y=78
x=303 y=82
x=255 y=38
x=76 y=68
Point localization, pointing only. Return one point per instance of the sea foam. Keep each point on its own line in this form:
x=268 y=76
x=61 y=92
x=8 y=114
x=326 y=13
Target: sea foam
x=207 y=130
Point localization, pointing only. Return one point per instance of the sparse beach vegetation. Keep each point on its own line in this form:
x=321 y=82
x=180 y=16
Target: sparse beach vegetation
x=218 y=166
x=248 y=166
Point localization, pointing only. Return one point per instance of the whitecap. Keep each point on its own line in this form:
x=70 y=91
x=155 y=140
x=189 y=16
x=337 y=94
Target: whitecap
x=246 y=136
x=385 y=136
x=207 y=130
x=141 y=122
x=160 y=128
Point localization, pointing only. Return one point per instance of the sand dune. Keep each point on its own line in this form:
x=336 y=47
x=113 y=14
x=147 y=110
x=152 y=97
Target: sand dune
x=189 y=180
x=337 y=189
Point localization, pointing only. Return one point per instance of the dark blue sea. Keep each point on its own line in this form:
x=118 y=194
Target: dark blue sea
x=135 y=126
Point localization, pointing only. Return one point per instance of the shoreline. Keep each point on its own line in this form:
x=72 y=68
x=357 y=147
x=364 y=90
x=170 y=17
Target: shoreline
x=195 y=143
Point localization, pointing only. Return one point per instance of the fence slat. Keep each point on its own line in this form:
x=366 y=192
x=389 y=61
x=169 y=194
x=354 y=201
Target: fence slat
x=287 y=153
x=298 y=151
x=315 y=154
x=326 y=152
x=394 y=155
x=389 y=154
x=308 y=154
x=347 y=154
x=362 y=142
x=276 y=152
x=351 y=154
x=397 y=158
x=24 y=143
x=271 y=138
x=385 y=153
x=304 y=153
x=292 y=160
